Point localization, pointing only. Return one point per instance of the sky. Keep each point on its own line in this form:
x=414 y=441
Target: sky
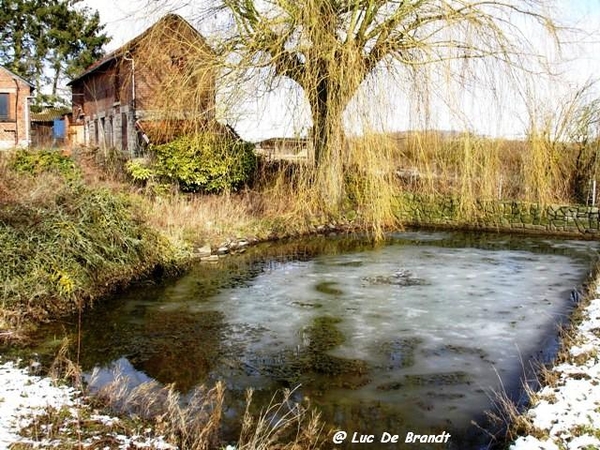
x=284 y=113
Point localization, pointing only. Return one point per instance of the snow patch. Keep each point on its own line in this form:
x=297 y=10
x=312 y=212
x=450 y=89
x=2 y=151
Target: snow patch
x=569 y=413
x=23 y=396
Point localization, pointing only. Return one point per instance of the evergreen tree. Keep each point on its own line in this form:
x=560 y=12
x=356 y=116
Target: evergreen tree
x=17 y=35
x=47 y=40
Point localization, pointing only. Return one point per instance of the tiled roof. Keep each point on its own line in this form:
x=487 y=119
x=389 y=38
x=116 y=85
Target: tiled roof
x=50 y=114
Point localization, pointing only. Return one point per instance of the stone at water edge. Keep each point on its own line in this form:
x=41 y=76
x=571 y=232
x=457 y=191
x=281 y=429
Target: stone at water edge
x=202 y=252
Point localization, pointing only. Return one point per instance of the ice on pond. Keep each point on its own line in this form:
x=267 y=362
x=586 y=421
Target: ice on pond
x=417 y=335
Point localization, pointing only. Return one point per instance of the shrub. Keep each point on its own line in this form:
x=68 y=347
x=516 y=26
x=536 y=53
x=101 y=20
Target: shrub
x=139 y=170
x=64 y=244
x=36 y=162
x=203 y=162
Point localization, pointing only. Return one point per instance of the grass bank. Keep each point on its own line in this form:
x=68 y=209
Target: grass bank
x=65 y=243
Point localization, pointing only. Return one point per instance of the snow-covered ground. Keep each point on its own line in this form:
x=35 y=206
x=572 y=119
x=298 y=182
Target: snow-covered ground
x=24 y=396
x=567 y=415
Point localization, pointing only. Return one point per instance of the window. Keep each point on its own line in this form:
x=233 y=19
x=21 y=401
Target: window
x=4 y=107
x=178 y=62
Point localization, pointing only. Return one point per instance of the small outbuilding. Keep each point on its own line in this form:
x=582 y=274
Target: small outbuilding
x=284 y=148
x=49 y=127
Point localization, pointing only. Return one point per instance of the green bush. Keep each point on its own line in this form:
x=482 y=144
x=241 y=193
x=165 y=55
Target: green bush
x=203 y=162
x=59 y=253
x=36 y=162
x=139 y=170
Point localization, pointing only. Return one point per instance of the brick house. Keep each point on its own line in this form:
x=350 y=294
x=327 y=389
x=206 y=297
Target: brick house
x=14 y=109
x=149 y=89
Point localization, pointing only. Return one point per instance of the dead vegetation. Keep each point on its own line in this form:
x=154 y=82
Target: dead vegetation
x=151 y=415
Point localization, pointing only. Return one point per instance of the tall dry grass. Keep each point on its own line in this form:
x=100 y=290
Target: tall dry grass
x=206 y=219
x=191 y=423
x=284 y=424
x=152 y=412
x=194 y=421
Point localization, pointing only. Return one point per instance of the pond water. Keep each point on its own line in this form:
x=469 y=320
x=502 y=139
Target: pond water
x=419 y=334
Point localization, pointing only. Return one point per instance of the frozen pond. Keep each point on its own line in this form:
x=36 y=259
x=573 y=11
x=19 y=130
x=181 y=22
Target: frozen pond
x=417 y=335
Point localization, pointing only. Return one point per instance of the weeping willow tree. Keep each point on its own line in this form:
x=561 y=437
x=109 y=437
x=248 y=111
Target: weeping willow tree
x=568 y=131
x=330 y=47
x=335 y=52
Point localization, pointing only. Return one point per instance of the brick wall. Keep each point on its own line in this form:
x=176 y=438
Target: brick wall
x=14 y=131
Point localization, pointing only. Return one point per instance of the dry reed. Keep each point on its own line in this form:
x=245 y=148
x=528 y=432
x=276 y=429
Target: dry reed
x=194 y=422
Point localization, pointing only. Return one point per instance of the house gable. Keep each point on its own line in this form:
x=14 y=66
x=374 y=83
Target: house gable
x=164 y=74
x=14 y=109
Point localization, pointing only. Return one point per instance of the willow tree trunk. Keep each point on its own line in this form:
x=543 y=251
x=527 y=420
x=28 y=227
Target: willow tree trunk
x=327 y=108
x=330 y=78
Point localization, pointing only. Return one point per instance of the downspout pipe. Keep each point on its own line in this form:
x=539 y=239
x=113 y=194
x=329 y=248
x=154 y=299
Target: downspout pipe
x=129 y=57
x=29 y=98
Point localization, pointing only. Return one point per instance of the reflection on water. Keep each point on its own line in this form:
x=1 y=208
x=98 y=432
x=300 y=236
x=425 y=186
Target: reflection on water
x=415 y=335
